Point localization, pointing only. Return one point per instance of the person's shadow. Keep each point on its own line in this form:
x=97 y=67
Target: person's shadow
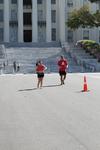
x=54 y=85
x=22 y=90
x=46 y=86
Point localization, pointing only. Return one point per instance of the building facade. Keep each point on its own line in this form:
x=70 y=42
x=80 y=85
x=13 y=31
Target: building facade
x=41 y=21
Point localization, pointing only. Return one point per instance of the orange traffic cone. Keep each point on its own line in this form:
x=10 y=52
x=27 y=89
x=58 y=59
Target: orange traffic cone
x=85 y=86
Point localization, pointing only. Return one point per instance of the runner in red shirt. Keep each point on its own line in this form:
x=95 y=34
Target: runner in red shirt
x=63 y=65
x=40 y=68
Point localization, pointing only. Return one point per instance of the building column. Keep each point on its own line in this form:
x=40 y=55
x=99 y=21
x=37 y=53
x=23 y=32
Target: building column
x=20 y=21
x=6 y=20
x=34 y=21
x=62 y=20
x=48 y=20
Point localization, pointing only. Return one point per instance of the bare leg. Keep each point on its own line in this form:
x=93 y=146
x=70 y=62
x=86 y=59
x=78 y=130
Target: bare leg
x=41 y=82
x=64 y=77
x=61 y=79
x=38 y=83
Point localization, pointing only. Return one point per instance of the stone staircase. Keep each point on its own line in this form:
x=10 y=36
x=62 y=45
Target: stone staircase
x=26 y=57
x=34 y=44
x=88 y=63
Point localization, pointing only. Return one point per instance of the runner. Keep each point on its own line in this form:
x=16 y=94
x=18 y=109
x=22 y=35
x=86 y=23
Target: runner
x=63 y=65
x=40 y=68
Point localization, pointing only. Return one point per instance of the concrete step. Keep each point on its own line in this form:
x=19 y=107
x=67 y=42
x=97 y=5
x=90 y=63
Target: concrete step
x=27 y=56
x=83 y=58
x=33 y=45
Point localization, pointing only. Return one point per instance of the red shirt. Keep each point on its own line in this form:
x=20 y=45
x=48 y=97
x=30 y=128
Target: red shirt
x=40 y=68
x=62 y=63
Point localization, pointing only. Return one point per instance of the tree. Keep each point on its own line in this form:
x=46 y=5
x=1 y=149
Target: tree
x=97 y=18
x=83 y=18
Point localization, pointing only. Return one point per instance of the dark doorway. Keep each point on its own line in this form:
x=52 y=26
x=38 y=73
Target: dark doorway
x=27 y=2
x=27 y=35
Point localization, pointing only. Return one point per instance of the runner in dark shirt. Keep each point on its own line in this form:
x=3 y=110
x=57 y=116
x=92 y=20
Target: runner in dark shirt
x=63 y=65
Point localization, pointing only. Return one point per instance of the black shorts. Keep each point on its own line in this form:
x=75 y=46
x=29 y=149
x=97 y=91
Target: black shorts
x=40 y=75
x=61 y=73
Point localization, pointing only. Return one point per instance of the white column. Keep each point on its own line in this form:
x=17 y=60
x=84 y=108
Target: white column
x=62 y=20
x=6 y=20
x=34 y=21
x=20 y=21
x=48 y=20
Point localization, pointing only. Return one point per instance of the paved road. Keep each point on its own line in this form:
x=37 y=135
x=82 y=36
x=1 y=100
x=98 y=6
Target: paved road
x=53 y=118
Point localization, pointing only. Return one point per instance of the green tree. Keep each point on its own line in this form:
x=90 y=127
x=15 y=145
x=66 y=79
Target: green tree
x=97 y=18
x=83 y=18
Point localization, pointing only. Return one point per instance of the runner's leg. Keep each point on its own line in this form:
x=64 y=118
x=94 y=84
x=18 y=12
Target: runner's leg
x=64 y=77
x=38 y=84
x=61 y=79
x=41 y=82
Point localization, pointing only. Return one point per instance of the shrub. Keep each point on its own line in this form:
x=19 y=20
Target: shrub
x=90 y=46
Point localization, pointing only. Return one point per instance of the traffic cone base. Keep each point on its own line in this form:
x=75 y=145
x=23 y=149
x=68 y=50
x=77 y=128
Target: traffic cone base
x=85 y=88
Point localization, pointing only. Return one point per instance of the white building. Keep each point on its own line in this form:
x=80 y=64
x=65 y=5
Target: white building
x=41 y=21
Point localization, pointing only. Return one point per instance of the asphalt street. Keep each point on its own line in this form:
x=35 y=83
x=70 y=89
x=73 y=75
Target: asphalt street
x=52 y=118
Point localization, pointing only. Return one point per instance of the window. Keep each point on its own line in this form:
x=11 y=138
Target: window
x=86 y=34
x=1 y=1
x=53 y=16
x=13 y=15
x=70 y=3
x=53 y=34
x=14 y=1
x=1 y=34
x=70 y=36
x=53 y=1
x=27 y=2
x=39 y=1
x=27 y=19
x=1 y=15
x=40 y=15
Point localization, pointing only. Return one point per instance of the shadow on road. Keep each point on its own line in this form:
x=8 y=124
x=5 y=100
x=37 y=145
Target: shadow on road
x=48 y=86
x=27 y=90
x=55 y=85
